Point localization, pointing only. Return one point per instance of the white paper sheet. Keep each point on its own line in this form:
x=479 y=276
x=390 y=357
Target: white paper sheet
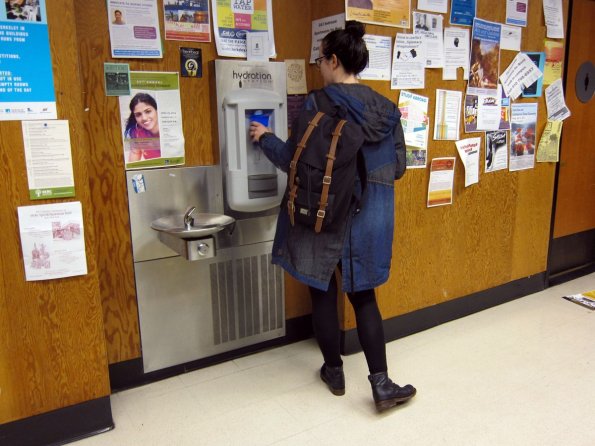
x=379 y=48
x=409 y=62
x=554 y=18
x=52 y=240
x=510 y=38
x=448 y=114
x=321 y=28
x=521 y=73
x=554 y=100
x=456 y=53
x=489 y=111
x=433 y=5
x=469 y=153
x=430 y=27
x=516 y=12
x=134 y=29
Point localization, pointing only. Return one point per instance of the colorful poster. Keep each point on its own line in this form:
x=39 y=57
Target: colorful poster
x=462 y=12
x=523 y=123
x=470 y=113
x=442 y=173
x=380 y=12
x=232 y=19
x=52 y=240
x=134 y=29
x=26 y=76
x=116 y=78
x=534 y=90
x=415 y=122
x=496 y=151
x=151 y=119
x=554 y=61
x=48 y=156
x=187 y=20
x=484 y=64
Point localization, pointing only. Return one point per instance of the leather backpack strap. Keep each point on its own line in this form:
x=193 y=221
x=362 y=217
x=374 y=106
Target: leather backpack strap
x=326 y=180
x=293 y=164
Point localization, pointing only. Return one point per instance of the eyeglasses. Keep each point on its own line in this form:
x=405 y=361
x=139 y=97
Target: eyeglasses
x=318 y=61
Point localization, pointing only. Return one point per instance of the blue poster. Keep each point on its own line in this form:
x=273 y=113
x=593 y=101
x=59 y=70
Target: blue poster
x=462 y=12
x=26 y=78
x=534 y=90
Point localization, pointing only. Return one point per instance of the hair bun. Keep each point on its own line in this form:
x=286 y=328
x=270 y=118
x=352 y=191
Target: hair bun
x=355 y=28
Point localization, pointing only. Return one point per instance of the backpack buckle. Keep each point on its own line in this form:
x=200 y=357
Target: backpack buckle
x=320 y=213
x=326 y=179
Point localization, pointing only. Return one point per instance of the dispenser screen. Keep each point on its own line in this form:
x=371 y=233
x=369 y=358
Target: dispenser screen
x=262 y=174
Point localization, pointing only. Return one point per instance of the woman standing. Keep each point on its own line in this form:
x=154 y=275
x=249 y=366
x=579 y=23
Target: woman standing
x=361 y=248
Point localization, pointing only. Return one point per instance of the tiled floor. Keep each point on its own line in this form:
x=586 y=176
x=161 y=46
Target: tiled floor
x=522 y=373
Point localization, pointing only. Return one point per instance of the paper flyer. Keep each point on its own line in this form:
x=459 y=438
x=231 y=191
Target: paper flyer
x=26 y=76
x=456 y=53
x=385 y=12
x=468 y=150
x=379 y=51
x=321 y=28
x=520 y=74
x=462 y=12
x=440 y=187
x=470 y=113
x=510 y=38
x=430 y=27
x=516 y=12
x=151 y=118
x=554 y=100
x=448 y=112
x=548 y=150
x=415 y=122
x=586 y=299
x=554 y=61
x=484 y=63
x=134 y=29
x=296 y=76
x=232 y=19
x=489 y=111
x=496 y=153
x=433 y=5
x=534 y=90
x=187 y=20
x=523 y=123
x=554 y=18
x=52 y=240
x=48 y=156
x=116 y=78
x=409 y=62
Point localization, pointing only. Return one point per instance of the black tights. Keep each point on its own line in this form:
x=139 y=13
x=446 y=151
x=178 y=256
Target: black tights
x=369 y=326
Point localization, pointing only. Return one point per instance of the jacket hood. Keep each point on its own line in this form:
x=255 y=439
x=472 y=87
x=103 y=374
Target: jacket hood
x=376 y=114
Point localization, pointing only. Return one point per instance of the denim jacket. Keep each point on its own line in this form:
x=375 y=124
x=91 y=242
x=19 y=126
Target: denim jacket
x=363 y=245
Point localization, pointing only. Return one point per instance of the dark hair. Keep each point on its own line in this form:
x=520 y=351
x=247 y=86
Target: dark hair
x=348 y=45
x=137 y=99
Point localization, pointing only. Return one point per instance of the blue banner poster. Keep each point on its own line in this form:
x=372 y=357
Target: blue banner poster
x=462 y=12
x=26 y=78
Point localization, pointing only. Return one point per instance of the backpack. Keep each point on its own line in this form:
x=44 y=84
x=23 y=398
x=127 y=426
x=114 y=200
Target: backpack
x=326 y=162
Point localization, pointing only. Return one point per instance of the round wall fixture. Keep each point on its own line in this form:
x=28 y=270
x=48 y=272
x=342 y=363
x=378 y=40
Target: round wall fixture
x=585 y=82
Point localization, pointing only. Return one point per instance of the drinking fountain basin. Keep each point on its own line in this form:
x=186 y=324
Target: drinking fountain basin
x=193 y=238
x=202 y=225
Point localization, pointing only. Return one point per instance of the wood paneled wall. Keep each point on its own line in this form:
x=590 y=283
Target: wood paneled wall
x=52 y=346
x=575 y=200
x=108 y=186
x=495 y=232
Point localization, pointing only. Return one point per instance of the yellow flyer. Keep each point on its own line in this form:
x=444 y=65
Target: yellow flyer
x=232 y=19
x=395 y=13
x=554 y=60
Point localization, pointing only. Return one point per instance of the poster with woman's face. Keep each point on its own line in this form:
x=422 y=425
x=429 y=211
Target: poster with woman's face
x=151 y=118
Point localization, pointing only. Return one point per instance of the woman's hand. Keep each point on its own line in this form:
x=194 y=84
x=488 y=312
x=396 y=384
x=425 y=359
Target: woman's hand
x=257 y=130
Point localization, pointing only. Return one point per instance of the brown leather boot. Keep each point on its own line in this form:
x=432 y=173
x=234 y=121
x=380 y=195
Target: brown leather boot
x=386 y=393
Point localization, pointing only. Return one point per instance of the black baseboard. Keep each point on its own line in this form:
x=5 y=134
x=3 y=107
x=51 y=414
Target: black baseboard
x=60 y=426
x=429 y=317
x=570 y=253
x=130 y=373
